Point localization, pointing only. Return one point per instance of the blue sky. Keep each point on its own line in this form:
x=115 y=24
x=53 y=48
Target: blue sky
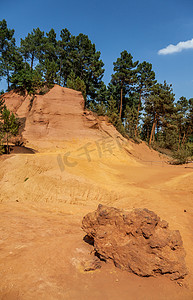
x=142 y=27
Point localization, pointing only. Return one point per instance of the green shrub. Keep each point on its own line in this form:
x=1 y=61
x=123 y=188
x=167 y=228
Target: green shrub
x=181 y=156
x=77 y=84
x=189 y=147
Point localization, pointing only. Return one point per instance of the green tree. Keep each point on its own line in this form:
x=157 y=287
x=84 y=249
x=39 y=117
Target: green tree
x=100 y=103
x=131 y=114
x=189 y=122
x=159 y=107
x=32 y=46
x=114 y=117
x=124 y=77
x=86 y=63
x=48 y=61
x=181 y=118
x=27 y=79
x=64 y=49
x=145 y=80
x=7 y=51
x=77 y=54
x=77 y=84
x=9 y=125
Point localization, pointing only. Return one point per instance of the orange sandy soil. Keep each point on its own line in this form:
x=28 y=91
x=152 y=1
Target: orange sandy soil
x=42 y=206
x=43 y=200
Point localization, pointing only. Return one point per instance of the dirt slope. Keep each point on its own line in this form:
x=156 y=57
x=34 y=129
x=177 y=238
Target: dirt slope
x=44 y=196
x=57 y=121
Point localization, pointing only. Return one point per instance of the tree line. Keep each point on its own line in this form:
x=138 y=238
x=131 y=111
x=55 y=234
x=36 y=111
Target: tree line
x=139 y=106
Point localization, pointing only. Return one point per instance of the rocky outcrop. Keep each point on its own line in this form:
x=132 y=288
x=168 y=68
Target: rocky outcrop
x=137 y=241
x=57 y=117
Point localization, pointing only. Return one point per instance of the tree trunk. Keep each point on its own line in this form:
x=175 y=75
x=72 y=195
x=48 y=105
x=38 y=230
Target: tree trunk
x=32 y=61
x=150 y=139
x=148 y=133
x=8 y=83
x=185 y=135
x=157 y=126
x=8 y=80
x=152 y=130
x=60 y=72
x=138 y=109
x=120 y=111
x=7 y=144
x=179 y=140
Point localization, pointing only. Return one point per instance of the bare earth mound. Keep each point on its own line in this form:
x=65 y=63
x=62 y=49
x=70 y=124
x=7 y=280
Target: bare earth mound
x=137 y=241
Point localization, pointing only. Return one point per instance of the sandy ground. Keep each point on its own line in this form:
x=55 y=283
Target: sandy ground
x=82 y=161
x=42 y=203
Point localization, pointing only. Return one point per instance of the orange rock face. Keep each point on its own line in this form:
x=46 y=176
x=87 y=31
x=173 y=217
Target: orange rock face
x=56 y=117
x=136 y=241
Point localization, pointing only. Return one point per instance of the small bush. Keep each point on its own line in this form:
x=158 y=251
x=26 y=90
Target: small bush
x=189 y=146
x=181 y=156
x=156 y=146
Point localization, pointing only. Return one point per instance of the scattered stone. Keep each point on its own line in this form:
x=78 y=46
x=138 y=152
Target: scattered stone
x=91 y=265
x=137 y=241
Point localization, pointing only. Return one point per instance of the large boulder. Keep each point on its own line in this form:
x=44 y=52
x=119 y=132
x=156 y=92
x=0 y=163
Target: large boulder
x=137 y=241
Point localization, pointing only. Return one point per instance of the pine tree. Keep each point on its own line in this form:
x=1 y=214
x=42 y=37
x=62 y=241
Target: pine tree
x=77 y=54
x=77 y=84
x=159 y=107
x=145 y=80
x=48 y=62
x=7 y=51
x=32 y=46
x=131 y=115
x=114 y=116
x=86 y=63
x=9 y=125
x=64 y=48
x=27 y=80
x=124 y=77
x=189 y=122
x=181 y=118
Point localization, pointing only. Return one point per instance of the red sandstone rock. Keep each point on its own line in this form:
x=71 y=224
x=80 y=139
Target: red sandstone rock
x=57 y=117
x=137 y=241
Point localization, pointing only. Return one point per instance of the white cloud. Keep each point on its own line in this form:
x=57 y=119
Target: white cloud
x=176 y=48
